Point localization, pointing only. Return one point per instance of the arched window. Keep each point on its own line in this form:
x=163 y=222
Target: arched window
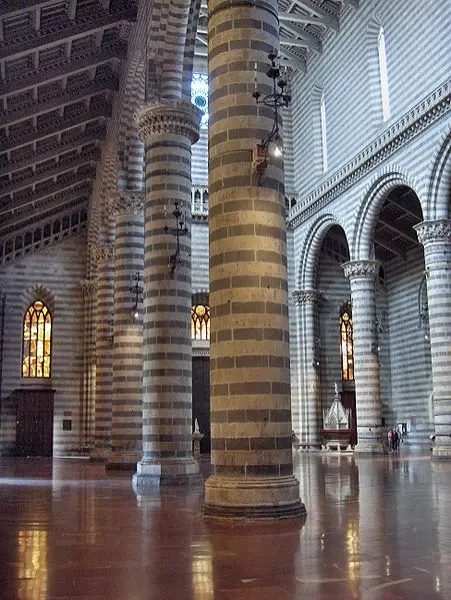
x=37 y=341
x=323 y=132
x=200 y=322
x=383 y=75
x=346 y=343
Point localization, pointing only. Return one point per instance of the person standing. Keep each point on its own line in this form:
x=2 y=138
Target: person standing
x=395 y=440
x=390 y=440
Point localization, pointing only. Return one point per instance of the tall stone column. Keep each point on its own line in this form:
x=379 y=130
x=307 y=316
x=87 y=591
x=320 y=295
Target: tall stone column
x=167 y=128
x=362 y=275
x=250 y=371
x=436 y=239
x=89 y=290
x=126 y=428
x=103 y=256
x=311 y=423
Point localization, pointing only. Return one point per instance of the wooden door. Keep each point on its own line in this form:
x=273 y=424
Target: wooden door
x=34 y=422
x=348 y=401
x=201 y=399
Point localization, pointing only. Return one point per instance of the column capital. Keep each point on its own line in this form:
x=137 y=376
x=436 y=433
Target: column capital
x=361 y=269
x=434 y=231
x=128 y=202
x=102 y=252
x=301 y=297
x=179 y=117
x=88 y=287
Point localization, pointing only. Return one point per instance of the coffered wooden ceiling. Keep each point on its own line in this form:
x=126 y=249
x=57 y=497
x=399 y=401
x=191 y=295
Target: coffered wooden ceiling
x=60 y=66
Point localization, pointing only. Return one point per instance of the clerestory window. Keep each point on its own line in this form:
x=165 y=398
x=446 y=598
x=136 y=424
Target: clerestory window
x=383 y=75
x=324 y=132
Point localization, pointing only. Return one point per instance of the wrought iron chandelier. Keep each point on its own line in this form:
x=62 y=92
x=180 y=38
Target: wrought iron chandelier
x=275 y=101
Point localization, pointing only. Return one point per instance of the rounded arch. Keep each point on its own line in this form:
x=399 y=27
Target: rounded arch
x=374 y=197
x=311 y=249
x=439 y=195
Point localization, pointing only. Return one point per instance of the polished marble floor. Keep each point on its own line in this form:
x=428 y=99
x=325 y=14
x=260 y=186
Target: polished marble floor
x=376 y=528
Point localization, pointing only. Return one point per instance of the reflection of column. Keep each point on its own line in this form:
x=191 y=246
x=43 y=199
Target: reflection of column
x=370 y=547
x=126 y=429
x=250 y=375
x=103 y=255
x=89 y=289
x=436 y=239
x=362 y=274
x=168 y=128
x=440 y=492
x=311 y=420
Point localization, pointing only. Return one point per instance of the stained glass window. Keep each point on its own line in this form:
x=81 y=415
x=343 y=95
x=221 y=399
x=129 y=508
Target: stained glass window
x=346 y=343
x=200 y=322
x=199 y=95
x=37 y=341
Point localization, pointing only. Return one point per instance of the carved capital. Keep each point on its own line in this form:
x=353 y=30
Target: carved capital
x=128 y=203
x=102 y=253
x=179 y=117
x=301 y=297
x=88 y=287
x=434 y=231
x=361 y=269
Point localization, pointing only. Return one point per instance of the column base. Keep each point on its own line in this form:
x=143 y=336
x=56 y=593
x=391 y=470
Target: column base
x=123 y=461
x=252 y=498
x=100 y=455
x=151 y=474
x=368 y=447
x=440 y=451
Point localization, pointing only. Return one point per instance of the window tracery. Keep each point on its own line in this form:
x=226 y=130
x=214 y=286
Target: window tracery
x=37 y=341
x=199 y=95
x=346 y=343
x=200 y=322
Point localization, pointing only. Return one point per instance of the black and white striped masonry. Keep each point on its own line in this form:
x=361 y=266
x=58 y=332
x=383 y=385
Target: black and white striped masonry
x=103 y=255
x=250 y=373
x=436 y=239
x=167 y=128
x=126 y=431
x=306 y=302
x=362 y=275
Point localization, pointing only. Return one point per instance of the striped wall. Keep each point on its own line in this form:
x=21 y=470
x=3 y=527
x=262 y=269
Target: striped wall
x=410 y=367
x=59 y=271
x=417 y=43
x=199 y=257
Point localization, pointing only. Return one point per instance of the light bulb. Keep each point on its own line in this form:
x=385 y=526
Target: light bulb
x=277 y=150
x=135 y=314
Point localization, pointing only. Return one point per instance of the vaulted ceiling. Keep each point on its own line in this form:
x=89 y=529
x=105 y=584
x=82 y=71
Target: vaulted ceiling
x=60 y=66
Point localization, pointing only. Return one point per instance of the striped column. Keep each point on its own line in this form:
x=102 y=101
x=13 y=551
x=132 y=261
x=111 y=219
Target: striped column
x=103 y=256
x=436 y=239
x=126 y=429
x=168 y=128
x=362 y=275
x=250 y=367
x=89 y=291
x=311 y=416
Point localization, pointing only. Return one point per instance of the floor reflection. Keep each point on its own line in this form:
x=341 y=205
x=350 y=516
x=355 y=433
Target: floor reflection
x=375 y=528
